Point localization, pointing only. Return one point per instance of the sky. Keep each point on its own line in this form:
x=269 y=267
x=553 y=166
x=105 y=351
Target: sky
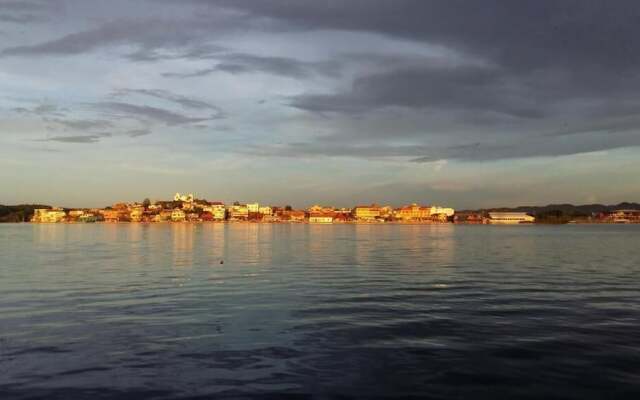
x=461 y=103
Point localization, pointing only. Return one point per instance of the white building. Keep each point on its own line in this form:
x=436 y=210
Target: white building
x=435 y=210
x=265 y=210
x=238 y=212
x=510 y=218
x=320 y=218
x=187 y=198
x=48 y=215
x=217 y=210
x=253 y=207
x=177 y=215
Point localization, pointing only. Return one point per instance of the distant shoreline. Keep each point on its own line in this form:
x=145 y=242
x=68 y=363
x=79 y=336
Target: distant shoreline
x=320 y=223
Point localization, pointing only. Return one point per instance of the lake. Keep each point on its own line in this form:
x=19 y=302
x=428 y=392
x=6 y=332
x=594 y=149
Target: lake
x=298 y=311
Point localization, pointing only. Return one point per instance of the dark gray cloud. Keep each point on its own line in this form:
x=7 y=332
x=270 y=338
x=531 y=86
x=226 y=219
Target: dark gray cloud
x=25 y=5
x=560 y=76
x=83 y=124
x=75 y=139
x=205 y=51
x=528 y=35
x=247 y=63
x=154 y=38
x=138 y=132
x=19 y=19
x=41 y=110
x=507 y=149
x=467 y=88
x=21 y=12
x=184 y=101
x=167 y=117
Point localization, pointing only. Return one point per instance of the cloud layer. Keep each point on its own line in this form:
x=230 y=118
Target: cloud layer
x=371 y=82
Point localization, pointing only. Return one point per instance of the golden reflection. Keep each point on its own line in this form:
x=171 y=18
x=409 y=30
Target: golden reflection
x=320 y=240
x=253 y=243
x=46 y=234
x=182 y=235
x=138 y=237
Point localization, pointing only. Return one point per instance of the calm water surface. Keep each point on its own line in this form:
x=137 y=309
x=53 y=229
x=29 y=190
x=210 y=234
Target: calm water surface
x=303 y=311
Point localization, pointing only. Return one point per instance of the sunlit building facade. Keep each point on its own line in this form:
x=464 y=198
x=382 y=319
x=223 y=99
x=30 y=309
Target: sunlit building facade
x=366 y=213
x=510 y=218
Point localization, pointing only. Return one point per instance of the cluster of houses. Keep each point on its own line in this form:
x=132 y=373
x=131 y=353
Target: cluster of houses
x=185 y=208
x=621 y=217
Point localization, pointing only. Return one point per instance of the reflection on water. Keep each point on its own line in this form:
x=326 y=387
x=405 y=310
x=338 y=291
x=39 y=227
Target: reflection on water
x=318 y=311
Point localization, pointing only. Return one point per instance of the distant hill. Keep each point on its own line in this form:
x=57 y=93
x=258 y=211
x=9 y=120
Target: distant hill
x=19 y=213
x=560 y=213
x=585 y=209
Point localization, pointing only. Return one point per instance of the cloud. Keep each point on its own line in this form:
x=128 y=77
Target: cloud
x=411 y=79
x=184 y=101
x=468 y=88
x=20 y=19
x=21 y=12
x=242 y=63
x=526 y=147
x=41 y=110
x=152 y=37
x=531 y=35
x=138 y=132
x=205 y=51
x=84 y=124
x=169 y=118
x=75 y=139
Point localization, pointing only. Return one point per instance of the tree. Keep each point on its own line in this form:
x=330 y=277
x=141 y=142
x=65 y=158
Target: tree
x=288 y=208
x=146 y=203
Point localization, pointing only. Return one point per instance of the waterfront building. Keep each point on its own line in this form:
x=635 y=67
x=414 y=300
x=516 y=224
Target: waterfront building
x=164 y=215
x=468 y=218
x=219 y=213
x=265 y=210
x=206 y=216
x=120 y=206
x=625 y=216
x=414 y=212
x=75 y=213
x=386 y=212
x=320 y=218
x=321 y=209
x=45 y=215
x=136 y=214
x=294 y=216
x=238 y=212
x=270 y=218
x=253 y=207
x=366 y=213
x=193 y=217
x=111 y=215
x=87 y=218
x=217 y=210
x=436 y=210
x=177 y=215
x=510 y=218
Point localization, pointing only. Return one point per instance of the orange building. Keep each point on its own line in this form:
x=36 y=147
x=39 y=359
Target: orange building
x=414 y=212
x=366 y=213
x=111 y=215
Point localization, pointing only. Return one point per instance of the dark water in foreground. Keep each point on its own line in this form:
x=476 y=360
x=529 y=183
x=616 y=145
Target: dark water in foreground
x=303 y=311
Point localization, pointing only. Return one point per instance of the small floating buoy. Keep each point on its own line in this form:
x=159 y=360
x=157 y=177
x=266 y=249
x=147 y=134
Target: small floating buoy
x=221 y=261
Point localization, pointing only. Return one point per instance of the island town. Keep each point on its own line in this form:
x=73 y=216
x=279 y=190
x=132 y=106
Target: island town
x=188 y=208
